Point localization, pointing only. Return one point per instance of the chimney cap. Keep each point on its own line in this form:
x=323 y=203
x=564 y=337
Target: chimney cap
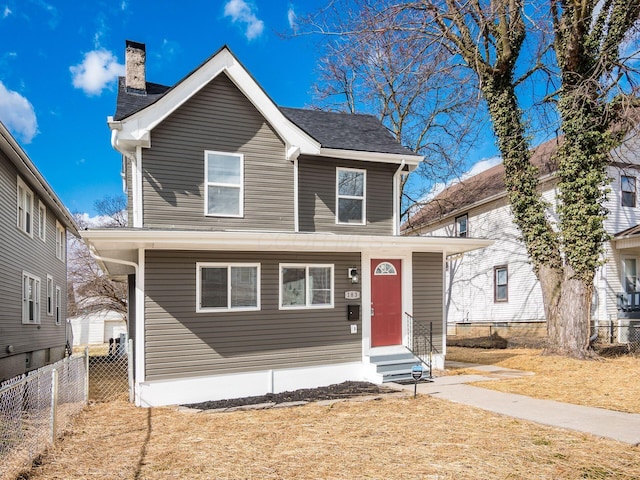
x=136 y=45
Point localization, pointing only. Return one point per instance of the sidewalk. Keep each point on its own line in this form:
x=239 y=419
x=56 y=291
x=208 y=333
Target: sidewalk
x=623 y=427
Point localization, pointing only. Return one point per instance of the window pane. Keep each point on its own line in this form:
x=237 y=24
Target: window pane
x=501 y=292
x=213 y=287
x=293 y=286
x=223 y=200
x=628 y=184
x=349 y=210
x=320 y=285
x=350 y=183
x=224 y=169
x=244 y=287
x=628 y=199
x=501 y=276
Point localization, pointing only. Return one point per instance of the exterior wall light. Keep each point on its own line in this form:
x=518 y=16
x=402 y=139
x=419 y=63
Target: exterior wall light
x=353 y=274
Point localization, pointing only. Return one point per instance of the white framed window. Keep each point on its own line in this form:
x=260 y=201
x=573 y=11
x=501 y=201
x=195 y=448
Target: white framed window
x=224 y=287
x=58 y=305
x=385 y=268
x=628 y=191
x=49 y=295
x=351 y=193
x=61 y=241
x=462 y=226
x=306 y=286
x=500 y=284
x=42 y=221
x=30 y=298
x=25 y=208
x=224 y=184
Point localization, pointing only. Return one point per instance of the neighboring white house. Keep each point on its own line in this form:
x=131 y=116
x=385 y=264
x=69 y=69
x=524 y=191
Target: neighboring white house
x=97 y=327
x=497 y=284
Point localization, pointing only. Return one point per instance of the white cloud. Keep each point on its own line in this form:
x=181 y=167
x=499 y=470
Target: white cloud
x=241 y=11
x=293 y=19
x=7 y=12
x=123 y=5
x=17 y=114
x=98 y=70
x=478 y=167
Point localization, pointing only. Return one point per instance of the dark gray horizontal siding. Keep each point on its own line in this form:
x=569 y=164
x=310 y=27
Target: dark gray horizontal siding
x=317 y=196
x=428 y=293
x=180 y=342
x=218 y=118
x=18 y=253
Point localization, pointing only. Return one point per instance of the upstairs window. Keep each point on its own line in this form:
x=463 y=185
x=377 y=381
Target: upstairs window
x=628 y=188
x=224 y=174
x=25 y=208
x=30 y=298
x=500 y=284
x=350 y=196
x=42 y=222
x=462 y=226
x=222 y=287
x=61 y=241
x=58 y=305
x=49 y=295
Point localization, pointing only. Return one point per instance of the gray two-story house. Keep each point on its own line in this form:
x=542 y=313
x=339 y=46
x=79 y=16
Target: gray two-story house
x=263 y=251
x=33 y=284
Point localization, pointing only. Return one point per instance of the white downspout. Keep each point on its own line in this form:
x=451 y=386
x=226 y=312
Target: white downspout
x=396 y=199
x=292 y=155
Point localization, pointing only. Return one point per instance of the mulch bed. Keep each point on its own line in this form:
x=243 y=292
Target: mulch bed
x=332 y=392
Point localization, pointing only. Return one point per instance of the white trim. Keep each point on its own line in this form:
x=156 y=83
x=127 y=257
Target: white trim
x=307 y=291
x=296 y=200
x=50 y=296
x=42 y=221
x=207 y=183
x=246 y=384
x=26 y=218
x=228 y=266
x=411 y=160
x=397 y=201
x=140 y=323
x=444 y=310
x=58 y=306
x=136 y=180
x=363 y=197
x=61 y=242
x=37 y=306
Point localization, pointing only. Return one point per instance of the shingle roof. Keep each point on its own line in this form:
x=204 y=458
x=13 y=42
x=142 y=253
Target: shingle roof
x=479 y=187
x=346 y=131
x=341 y=131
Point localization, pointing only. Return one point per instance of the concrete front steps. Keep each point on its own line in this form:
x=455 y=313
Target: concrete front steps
x=396 y=367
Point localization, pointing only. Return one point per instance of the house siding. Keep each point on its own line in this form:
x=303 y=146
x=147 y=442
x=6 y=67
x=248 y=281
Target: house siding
x=428 y=294
x=317 y=196
x=219 y=118
x=33 y=345
x=180 y=342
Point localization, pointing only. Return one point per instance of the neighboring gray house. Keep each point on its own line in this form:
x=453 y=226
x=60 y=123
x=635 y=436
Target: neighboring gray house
x=263 y=252
x=33 y=284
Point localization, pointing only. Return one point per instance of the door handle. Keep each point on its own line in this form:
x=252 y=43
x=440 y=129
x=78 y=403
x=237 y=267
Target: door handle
x=373 y=312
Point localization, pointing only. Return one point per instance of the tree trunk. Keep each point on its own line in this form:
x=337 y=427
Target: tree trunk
x=567 y=302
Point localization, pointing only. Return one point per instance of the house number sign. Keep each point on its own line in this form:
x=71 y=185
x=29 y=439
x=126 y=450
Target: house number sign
x=352 y=295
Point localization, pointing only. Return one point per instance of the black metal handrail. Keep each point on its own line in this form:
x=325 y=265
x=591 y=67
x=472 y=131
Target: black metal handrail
x=420 y=341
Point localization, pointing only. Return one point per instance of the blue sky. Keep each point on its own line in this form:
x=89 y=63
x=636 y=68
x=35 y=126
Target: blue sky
x=59 y=61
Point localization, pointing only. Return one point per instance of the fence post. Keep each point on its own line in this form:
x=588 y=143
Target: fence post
x=130 y=369
x=86 y=375
x=54 y=404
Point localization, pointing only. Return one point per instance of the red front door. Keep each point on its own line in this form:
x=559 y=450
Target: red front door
x=386 y=303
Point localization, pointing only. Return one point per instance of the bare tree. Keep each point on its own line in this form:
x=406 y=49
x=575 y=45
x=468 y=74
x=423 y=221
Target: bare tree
x=590 y=66
x=90 y=289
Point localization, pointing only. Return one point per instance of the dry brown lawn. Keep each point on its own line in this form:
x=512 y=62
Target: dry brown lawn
x=390 y=438
x=611 y=383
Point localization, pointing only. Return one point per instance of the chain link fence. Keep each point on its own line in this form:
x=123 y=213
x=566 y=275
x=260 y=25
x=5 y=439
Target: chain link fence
x=36 y=408
x=109 y=375
x=617 y=339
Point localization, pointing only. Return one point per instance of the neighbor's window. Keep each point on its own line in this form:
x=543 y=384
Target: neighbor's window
x=628 y=188
x=58 y=305
x=30 y=298
x=25 y=208
x=224 y=174
x=49 y=295
x=61 y=241
x=306 y=286
x=228 y=287
x=42 y=222
x=500 y=284
x=350 y=199
x=462 y=226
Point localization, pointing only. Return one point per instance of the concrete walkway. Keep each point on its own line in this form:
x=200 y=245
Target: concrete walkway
x=623 y=427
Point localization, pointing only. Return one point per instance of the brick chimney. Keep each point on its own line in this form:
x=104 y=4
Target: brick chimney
x=135 y=57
